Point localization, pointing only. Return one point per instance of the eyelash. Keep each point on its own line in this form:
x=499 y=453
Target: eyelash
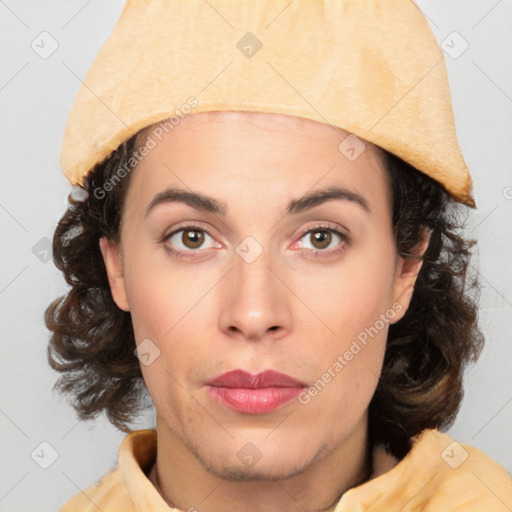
x=320 y=227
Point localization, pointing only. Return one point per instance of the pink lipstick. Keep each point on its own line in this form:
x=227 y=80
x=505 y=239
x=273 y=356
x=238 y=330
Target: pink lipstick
x=251 y=393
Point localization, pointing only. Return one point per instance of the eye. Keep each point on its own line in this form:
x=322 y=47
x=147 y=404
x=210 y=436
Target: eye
x=187 y=239
x=321 y=237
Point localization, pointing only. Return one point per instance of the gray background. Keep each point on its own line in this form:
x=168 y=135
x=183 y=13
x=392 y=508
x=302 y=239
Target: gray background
x=35 y=96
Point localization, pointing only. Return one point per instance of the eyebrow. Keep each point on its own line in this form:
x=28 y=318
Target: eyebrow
x=209 y=204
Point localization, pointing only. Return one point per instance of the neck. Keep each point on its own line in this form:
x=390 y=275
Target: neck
x=184 y=483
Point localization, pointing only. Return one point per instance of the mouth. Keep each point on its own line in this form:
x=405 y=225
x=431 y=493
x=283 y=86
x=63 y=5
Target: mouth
x=250 y=393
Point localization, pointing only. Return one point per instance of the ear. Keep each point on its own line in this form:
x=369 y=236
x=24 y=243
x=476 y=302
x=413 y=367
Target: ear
x=407 y=271
x=114 y=266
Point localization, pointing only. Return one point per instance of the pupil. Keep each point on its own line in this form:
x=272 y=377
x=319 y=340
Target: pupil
x=193 y=238
x=324 y=237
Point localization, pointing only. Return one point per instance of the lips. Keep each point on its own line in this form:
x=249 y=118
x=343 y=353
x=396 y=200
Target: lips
x=244 y=379
x=249 y=393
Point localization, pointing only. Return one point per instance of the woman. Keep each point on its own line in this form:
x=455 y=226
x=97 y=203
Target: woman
x=272 y=251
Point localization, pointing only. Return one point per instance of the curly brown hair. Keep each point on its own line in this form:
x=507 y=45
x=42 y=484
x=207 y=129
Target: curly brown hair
x=420 y=385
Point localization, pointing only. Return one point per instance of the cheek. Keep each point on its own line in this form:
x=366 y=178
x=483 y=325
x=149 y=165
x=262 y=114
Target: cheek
x=160 y=313
x=353 y=295
x=171 y=308
x=160 y=294
x=355 y=305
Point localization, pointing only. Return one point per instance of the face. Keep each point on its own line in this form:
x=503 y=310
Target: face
x=308 y=290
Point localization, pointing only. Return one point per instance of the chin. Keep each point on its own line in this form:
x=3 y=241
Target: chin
x=270 y=470
x=257 y=460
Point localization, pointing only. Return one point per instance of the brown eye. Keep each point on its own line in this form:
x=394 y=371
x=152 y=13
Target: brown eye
x=192 y=238
x=189 y=242
x=324 y=241
x=321 y=239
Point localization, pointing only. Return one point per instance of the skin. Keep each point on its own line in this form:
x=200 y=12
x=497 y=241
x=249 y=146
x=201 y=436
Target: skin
x=287 y=310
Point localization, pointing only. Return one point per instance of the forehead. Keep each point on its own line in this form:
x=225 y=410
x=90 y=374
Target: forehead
x=275 y=157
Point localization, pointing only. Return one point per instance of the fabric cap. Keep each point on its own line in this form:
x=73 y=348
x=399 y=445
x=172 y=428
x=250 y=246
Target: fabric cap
x=371 y=67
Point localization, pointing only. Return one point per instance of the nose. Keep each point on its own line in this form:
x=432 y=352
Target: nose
x=256 y=304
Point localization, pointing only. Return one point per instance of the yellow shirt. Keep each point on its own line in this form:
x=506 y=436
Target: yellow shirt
x=437 y=475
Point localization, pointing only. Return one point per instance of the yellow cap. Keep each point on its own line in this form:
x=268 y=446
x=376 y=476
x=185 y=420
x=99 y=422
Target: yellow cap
x=371 y=67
